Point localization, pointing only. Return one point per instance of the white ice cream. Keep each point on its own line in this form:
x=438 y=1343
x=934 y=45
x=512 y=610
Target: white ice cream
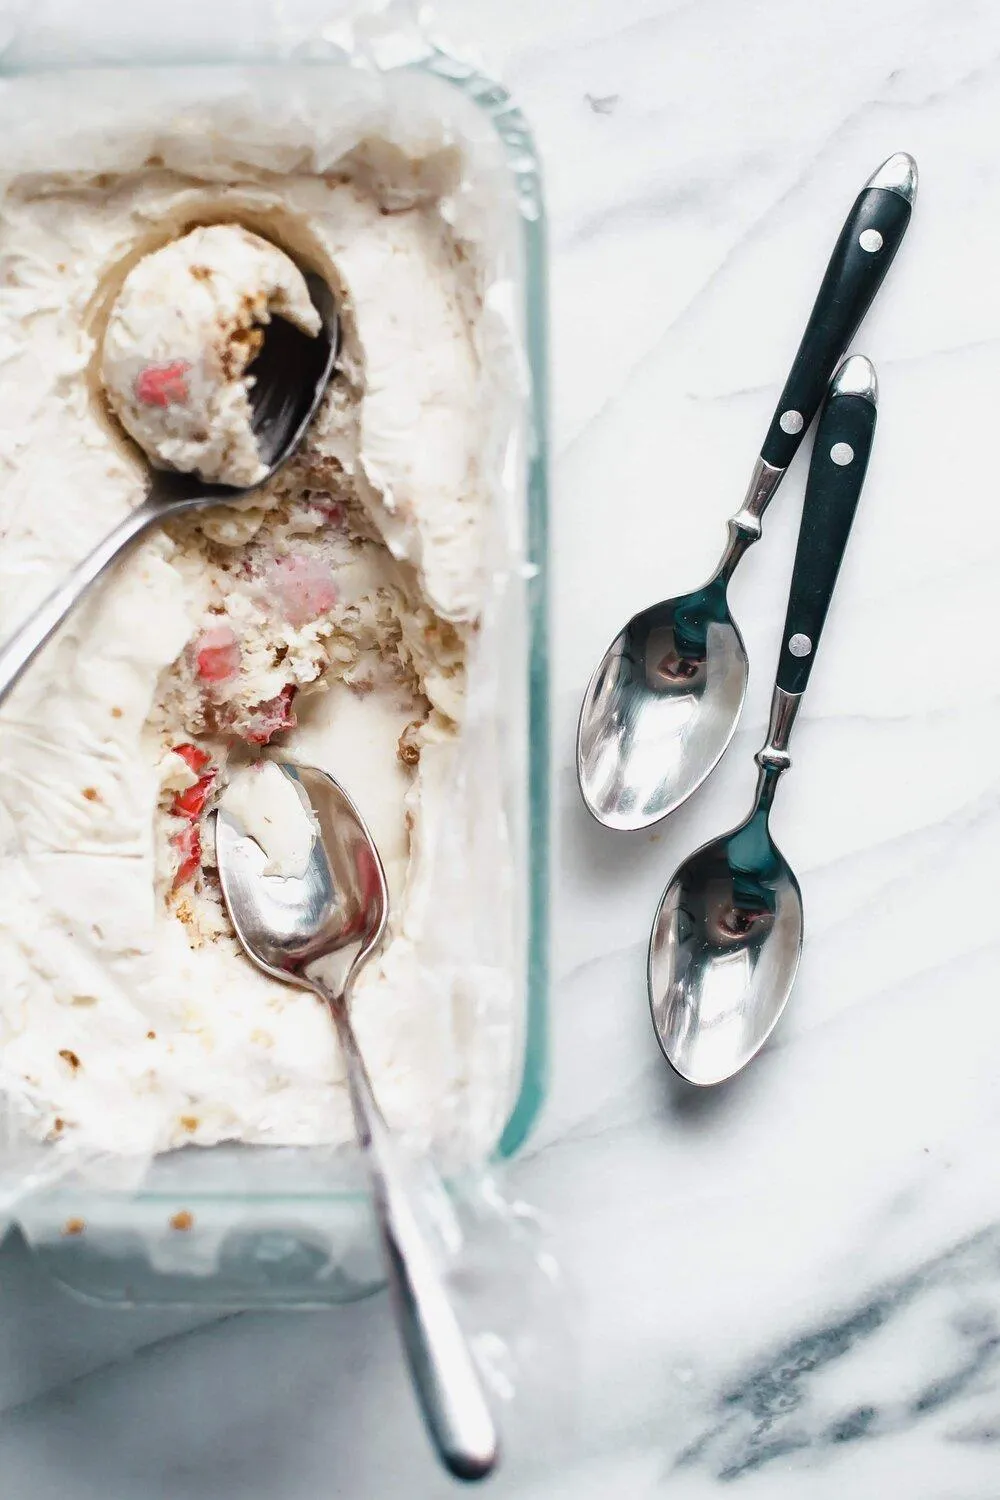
x=189 y=319
x=344 y=595
x=275 y=815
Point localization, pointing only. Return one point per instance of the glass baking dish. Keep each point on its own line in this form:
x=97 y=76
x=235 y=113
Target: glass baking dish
x=273 y=1227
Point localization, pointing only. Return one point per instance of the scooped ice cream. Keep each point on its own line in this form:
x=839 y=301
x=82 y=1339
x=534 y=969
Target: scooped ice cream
x=185 y=327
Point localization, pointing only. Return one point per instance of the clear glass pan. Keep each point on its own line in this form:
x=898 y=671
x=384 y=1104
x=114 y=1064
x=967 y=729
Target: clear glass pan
x=291 y=1226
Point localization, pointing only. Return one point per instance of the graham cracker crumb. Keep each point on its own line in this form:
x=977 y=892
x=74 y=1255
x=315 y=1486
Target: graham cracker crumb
x=182 y=1221
x=73 y=1226
x=408 y=746
x=70 y=1057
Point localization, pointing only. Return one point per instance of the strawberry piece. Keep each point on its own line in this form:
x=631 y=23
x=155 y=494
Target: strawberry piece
x=217 y=654
x=194 y=755
x=191 y=801
x=271 y=717
x=188 y=844
x=304 y=587
x=161 y=385
x=334 y=511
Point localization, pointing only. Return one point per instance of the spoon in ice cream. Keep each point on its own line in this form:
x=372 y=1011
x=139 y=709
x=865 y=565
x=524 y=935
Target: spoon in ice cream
x=727 y=937
x=664 y=702
x=287 y=380
x=316 y=927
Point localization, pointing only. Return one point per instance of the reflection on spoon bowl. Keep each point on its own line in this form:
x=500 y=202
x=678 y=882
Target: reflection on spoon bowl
x=661 y=709
x=724 y=952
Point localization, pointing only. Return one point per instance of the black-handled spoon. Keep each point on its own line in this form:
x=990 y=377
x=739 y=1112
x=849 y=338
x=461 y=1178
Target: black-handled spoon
x=727 y=937
x=663 y=705
x=871 y=235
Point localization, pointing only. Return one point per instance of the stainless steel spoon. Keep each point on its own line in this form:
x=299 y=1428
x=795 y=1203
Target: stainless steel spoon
x=291 y=374
x=663 y=705
x=727 y=937
x=317 y=932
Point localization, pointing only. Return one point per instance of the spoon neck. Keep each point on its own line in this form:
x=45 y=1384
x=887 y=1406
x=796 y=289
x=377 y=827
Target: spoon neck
x=773 y=759
x=745 y=527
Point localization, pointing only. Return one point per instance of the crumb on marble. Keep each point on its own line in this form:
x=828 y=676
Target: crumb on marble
x=73 y=1226
x=182 y=1221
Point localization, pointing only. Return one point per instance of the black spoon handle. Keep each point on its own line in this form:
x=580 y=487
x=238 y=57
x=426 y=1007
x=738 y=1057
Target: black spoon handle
x=862 y=255
x=836 y=474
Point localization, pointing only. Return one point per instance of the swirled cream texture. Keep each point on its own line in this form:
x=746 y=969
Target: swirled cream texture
x=332 y=614
x=188 y=321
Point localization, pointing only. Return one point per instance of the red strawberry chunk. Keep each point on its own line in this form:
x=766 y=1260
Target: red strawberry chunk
x=271 y=717
x=188 y=845
x=304 y=587
x=334 y=511
x=217 y=654
x=191 y=801
x=160 y=385
x=194 y=755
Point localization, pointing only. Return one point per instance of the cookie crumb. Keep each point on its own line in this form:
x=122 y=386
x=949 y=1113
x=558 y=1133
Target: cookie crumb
x=150 y=1036
x=73 y=1226
x=189 y=1122
x=116 y=712
x=92 y=794
x=70 y=1057
x=408 y=746
x=182 y=1221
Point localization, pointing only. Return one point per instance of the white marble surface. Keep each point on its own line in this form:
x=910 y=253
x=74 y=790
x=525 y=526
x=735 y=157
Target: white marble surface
x=791 y=1286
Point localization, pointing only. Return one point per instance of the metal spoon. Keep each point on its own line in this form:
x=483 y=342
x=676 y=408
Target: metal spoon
x=317 y=932
x=291 y=374
x=663 y=705
x=727 y=937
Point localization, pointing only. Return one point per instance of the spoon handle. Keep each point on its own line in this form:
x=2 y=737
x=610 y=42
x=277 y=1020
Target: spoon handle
x=447 y=1382
x=861 y=257
x=19 y=650
x=836 y=475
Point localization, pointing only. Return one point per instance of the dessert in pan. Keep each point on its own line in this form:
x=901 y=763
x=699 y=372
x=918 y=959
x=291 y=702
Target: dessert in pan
x=328 y=614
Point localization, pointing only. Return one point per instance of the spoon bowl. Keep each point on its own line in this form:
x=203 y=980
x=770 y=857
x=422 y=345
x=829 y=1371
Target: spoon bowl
x=724 y=952
x=336 y=910
x=661 y=708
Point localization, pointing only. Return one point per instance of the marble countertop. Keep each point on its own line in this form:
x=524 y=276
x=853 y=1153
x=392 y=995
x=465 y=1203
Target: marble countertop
x=789 y=1286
